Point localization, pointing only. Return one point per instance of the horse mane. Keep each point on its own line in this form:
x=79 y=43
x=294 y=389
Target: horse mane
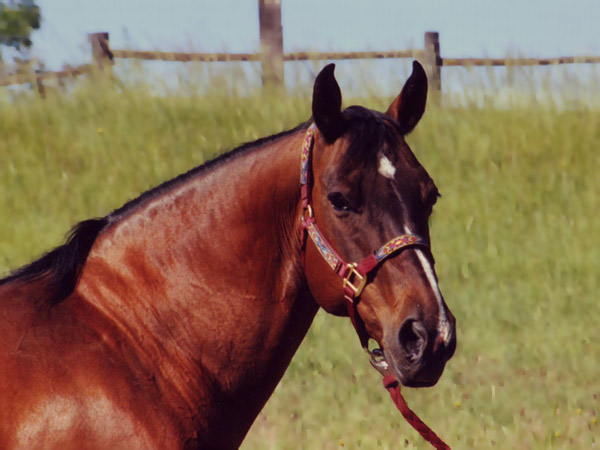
x=208 y=166
x=62 y=267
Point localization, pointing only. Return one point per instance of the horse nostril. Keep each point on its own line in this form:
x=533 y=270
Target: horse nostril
x=445 y=343
x=413 y=339
x=451 y=346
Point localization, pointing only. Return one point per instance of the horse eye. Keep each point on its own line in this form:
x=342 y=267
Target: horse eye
x=338 y=202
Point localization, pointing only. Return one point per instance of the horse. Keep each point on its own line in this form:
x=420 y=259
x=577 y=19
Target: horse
x=169 y=322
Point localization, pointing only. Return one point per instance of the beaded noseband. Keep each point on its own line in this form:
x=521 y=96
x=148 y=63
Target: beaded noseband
x=354 y=275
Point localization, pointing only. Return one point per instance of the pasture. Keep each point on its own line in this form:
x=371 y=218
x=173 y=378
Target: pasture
x=515 y=237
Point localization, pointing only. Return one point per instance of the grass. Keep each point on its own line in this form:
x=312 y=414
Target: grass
x=515 y=237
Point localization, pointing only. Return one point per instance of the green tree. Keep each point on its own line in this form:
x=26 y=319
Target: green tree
x=18 y=18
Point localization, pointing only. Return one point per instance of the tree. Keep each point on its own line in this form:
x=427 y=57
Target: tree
x=18 y=18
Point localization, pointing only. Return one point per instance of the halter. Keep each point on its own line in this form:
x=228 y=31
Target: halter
x=355 y=276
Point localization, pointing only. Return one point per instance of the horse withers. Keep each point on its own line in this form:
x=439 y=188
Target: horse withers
x=169 y=322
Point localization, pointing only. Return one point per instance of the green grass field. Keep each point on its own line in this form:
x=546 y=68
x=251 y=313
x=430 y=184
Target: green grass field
x=516 y=237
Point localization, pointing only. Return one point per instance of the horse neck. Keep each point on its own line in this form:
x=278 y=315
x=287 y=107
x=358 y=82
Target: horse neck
x=206 y=280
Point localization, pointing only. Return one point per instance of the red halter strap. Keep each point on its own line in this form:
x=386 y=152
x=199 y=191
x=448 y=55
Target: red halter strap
x=354 y=275
x=354 y=279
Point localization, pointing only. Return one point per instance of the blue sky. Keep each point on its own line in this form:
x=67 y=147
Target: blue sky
x=467 y=27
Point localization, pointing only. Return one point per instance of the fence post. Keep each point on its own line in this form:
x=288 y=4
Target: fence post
x=101 y=54
x=40 y=84
x=433 y=61
x=271 y=42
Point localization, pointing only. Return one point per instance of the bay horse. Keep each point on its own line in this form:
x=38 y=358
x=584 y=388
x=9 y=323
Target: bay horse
x=169 y=322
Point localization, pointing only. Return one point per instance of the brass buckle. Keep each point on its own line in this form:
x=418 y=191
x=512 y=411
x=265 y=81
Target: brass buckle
x=353 y=273
x=310 y=211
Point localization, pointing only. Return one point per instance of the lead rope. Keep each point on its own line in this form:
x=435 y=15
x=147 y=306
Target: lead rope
x=351 y=273
x=393 y=387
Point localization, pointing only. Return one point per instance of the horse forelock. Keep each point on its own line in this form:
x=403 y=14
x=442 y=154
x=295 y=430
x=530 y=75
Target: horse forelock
x=369 y=133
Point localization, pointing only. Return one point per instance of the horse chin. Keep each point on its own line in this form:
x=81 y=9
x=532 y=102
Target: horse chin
x=409 y=376
x=419 y=383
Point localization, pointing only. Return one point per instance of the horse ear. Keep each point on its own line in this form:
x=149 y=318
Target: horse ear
x=408 y=108
x=327 y=104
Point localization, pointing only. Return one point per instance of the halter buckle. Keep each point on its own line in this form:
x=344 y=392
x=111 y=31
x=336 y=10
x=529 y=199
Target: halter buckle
x=309 y=210
x=354 y=275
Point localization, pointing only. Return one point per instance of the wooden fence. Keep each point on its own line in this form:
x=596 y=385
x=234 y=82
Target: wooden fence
x=272 y=60
x=272 y=57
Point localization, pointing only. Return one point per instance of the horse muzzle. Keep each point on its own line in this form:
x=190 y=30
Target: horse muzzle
x=417 y=355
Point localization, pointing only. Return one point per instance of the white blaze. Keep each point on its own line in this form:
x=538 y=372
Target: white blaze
x=443 y=324
x=386 y=168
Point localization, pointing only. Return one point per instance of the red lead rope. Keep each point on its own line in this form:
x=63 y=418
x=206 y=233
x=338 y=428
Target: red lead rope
x=392 y=385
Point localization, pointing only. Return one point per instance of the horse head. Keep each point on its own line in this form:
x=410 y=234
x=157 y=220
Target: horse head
x=366 y=188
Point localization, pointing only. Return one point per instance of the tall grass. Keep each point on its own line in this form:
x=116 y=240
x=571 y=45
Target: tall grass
x=515 y=236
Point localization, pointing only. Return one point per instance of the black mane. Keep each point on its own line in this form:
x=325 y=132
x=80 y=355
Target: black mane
x=61 y=267
x=202 y=169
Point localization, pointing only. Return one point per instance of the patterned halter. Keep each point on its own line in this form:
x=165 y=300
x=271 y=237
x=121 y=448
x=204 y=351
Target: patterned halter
x=354 y=275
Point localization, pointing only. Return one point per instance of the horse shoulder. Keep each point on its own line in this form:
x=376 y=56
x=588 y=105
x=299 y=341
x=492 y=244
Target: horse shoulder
x=64 y=385
x=84 y=420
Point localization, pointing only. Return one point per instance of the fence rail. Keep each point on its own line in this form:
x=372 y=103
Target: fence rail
x=491 y=62
x=320 y=56
x=59 y=75
x=271 y=56
x=185 y=57
x=229 y=57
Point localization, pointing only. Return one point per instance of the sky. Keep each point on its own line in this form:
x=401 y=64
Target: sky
x=467 y=27
x=474 y=28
